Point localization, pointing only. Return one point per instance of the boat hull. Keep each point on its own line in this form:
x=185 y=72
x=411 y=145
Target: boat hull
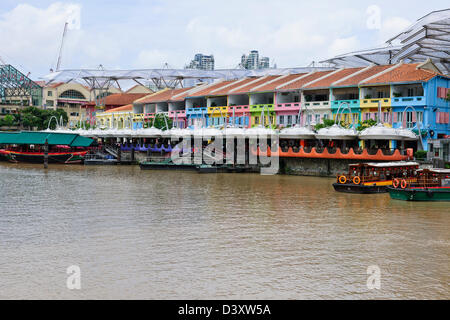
x=358 y=188
x=420 y=194
x=38 y=157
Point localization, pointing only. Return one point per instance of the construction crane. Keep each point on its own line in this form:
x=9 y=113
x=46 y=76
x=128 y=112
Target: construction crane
x=58 y=63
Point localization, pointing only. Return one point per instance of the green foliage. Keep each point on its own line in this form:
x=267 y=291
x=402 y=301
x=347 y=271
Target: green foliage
x=326 y=123
x=8 y=121
x=31 y=117
x=420 y=154
x=85 y=125
x=366 y=124
x=160 y=123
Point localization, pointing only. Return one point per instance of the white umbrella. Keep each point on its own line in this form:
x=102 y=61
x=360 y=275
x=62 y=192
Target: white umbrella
x=260 y=131
x=297 y=132
x=336 y=132
x=380 y=132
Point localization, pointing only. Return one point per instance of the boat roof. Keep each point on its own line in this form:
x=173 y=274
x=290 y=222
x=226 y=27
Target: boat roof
x=387 y=164
x=437 y=170
x=39 y=137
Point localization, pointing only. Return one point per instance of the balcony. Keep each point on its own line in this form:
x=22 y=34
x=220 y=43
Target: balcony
x=373 y=103
x=352 y=103
x=261 y=107
x=196 y=111
x=217 y=111
x=239 y=109
x=177 y=114
x=318 y=105
x=408 y=101
x=293 y=106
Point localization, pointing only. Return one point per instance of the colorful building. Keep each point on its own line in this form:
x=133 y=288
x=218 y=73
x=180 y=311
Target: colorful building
x=410 y=96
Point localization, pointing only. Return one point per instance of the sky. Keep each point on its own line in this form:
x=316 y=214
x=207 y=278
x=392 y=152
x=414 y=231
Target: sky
x=138 y=34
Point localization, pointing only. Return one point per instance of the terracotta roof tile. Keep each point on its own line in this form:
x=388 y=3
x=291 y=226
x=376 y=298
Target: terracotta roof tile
x=163 y=96
x=119 y=99
x=273 y=85
x=207 y=91
x=128 y=107
x=355 y=80
x=301 y=82
x=249 y=86
x=237 y=83
x=403 y=73
x=326 y=83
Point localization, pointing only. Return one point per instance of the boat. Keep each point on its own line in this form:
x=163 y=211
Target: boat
x=28 y=146
x=37 y=156
x=373 y=177
x=426 y=185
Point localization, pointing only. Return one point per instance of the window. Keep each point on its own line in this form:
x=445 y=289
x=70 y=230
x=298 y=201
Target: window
x=310 y=118
x=366 y=116
x=72 y=94
x=281 y=119
x=256 y=120
x=385 y=116
x=399 y=116
x=317 y=118
x=410 y=92
x=325 y=116
x=289 y=120
x=409 y=119
x=49 y=103
x=50 y=93
x=419 y=116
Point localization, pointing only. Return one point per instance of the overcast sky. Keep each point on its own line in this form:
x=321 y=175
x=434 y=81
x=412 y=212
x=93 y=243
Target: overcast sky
x=146 y=34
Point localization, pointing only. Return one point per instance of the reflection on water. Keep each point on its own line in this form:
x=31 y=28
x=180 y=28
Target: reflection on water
x=167 y=234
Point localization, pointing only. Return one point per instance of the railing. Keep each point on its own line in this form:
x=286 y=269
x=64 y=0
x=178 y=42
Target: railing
x=261 y=107
x=217 y=111
x=177 y=113
x=197 y=110
x=294 y=106
x=403 y=101
x=352 y=103
x=239 y=109
x=317 y=104
x=373 y=103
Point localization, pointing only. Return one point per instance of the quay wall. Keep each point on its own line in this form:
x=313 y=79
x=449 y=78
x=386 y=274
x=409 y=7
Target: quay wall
x=314 y=167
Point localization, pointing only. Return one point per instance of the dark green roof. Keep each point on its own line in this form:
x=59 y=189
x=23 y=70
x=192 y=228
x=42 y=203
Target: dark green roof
x=53 y=138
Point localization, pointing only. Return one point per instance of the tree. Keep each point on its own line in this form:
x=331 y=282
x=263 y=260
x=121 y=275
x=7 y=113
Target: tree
x=33 y=117
x=8 y=121
x=366 y=124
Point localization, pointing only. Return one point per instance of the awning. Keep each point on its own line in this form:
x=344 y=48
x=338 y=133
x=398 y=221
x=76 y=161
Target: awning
x=39 y=137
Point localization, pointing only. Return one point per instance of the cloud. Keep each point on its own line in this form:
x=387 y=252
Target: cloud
x=33 y=35
x=343 y=45
x=392 y=26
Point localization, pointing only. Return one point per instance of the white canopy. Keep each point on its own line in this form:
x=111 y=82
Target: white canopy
x=336 y=132
x=380 y=132
x=297 y=132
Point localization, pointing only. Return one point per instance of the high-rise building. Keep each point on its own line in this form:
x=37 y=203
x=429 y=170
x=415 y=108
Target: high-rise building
x=202 y=62
x=253 y=61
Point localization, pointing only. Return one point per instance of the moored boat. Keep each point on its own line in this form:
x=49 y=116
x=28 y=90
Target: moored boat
x=373 y=177
x=427 y=185
x=29 y=146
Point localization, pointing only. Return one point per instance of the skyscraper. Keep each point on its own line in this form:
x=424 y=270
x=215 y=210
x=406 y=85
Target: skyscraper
x=202 y=62
x=253 y=61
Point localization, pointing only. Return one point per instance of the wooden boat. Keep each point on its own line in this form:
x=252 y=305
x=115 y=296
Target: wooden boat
x=427 y=185
x=54 y=156
x=373 y=177
x=28 y=146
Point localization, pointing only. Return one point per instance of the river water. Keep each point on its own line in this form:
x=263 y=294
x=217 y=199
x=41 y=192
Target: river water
x=184 y=235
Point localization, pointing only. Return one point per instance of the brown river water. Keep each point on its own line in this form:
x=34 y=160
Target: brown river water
x=184 y=235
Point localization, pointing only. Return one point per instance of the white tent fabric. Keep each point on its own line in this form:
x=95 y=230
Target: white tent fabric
x=427 y=38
